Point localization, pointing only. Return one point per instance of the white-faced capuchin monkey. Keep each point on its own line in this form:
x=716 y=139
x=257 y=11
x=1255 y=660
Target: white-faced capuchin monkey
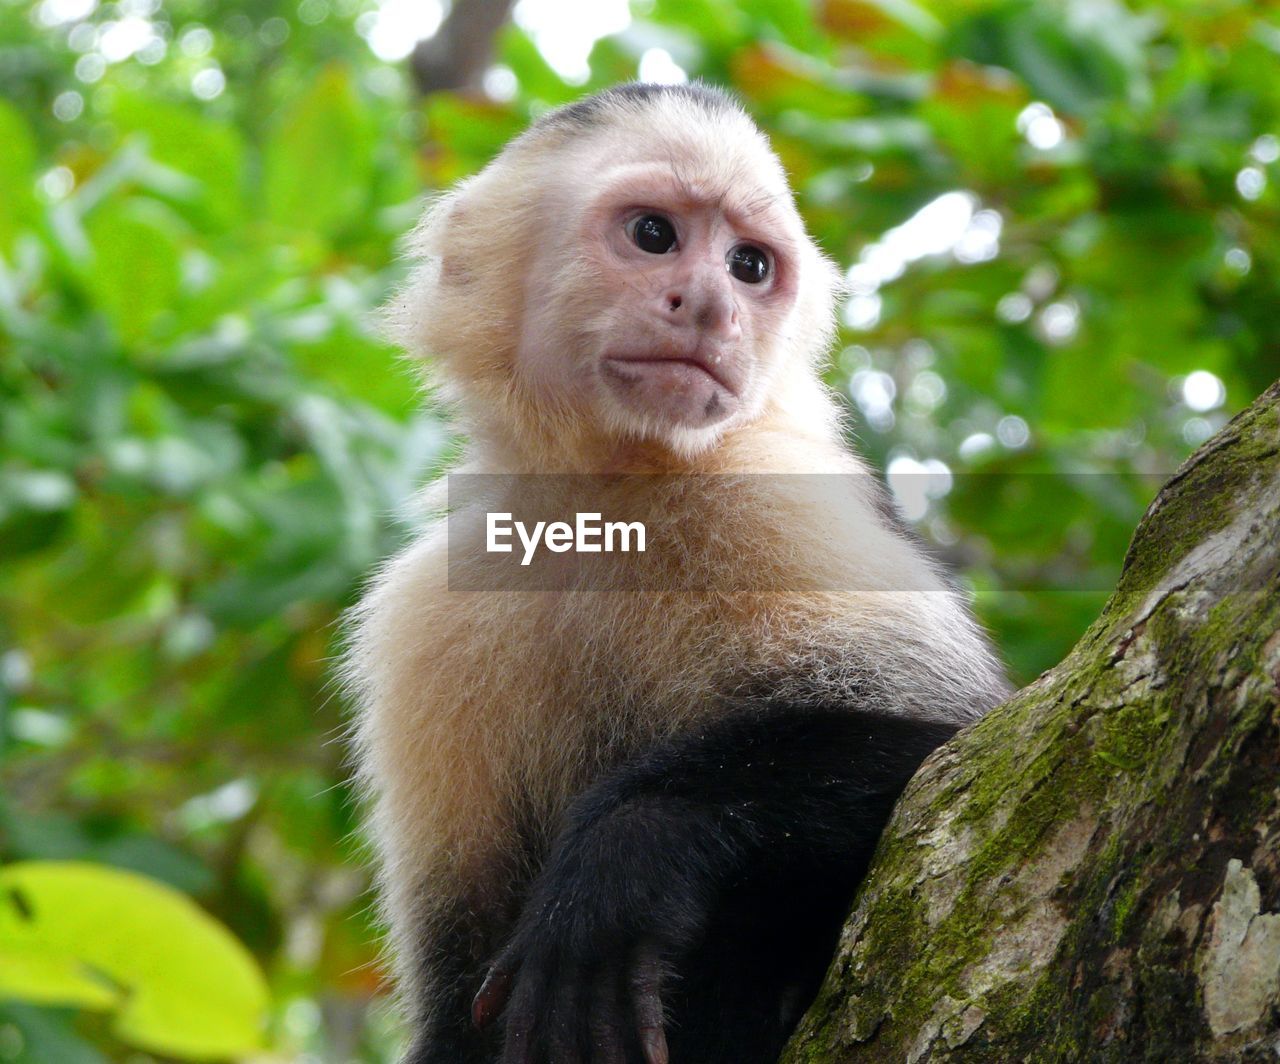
x=624 y=827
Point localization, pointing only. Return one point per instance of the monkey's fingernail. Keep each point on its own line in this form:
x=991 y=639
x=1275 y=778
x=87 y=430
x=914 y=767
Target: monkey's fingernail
x=490 y=998
x=655 y=1046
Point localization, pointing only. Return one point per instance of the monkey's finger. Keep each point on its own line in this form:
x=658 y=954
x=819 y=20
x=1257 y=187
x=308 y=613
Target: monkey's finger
x=605 y=1020
x=646 y=997
x=524 y=1015
x=518 y=1045
x=565 y=1027
x=492 y=997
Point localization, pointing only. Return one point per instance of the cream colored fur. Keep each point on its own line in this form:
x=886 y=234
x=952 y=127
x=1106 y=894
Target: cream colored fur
x=484 y=712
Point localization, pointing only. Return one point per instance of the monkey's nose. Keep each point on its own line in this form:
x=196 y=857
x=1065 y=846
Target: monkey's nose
x=709 y=308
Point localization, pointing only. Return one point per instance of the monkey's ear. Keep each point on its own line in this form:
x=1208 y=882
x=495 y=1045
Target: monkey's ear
x=425 y=313
x=403 y=318
x=429 y=237
x=441 y=237
x=454 y=267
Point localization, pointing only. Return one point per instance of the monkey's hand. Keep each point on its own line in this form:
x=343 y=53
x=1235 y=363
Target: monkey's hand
x=632 y=884
x=615 y=907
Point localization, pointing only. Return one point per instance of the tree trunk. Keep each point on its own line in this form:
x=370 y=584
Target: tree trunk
x=1092 y=872
x=454 y=58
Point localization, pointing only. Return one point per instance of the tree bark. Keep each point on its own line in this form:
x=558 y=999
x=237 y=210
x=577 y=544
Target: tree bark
x=455 y=57
x=1092 y=872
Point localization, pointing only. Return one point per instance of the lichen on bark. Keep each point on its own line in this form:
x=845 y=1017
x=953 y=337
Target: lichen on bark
x=1092 y=872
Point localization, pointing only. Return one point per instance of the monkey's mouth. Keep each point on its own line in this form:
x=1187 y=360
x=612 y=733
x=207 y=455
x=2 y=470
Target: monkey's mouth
x=681 y=368
x=691 y=390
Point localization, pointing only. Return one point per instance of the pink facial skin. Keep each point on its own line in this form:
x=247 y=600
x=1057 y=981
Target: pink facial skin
x=675 y=341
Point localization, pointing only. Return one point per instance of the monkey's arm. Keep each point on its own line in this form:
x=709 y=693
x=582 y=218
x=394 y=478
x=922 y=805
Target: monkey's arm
x=760 y=803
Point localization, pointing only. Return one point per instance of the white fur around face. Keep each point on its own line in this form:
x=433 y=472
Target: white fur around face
x=516 y=295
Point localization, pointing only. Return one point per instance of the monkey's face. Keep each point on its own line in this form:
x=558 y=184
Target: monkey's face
x=678 y=279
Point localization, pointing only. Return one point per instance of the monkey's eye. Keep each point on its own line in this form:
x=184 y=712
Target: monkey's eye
x=654 y=234
x=748 y=264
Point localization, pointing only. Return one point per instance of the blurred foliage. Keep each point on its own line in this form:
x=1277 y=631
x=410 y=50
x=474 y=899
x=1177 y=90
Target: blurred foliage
x=1060 y=220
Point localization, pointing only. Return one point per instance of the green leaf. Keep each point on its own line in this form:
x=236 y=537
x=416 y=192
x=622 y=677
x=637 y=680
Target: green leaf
x=361 y=368
x=135 y=273
x=97 y=937
x=183 y=139
x=17 y=174
x=1075 y=59
x=320 y=157
x=32 y=973
x=974 y=116
x=894 y=31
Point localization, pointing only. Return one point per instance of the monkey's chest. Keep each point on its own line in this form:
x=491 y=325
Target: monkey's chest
x=612 y=673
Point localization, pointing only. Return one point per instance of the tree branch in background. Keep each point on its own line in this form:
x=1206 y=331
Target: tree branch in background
x=455 y=58
x=1093 y=871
